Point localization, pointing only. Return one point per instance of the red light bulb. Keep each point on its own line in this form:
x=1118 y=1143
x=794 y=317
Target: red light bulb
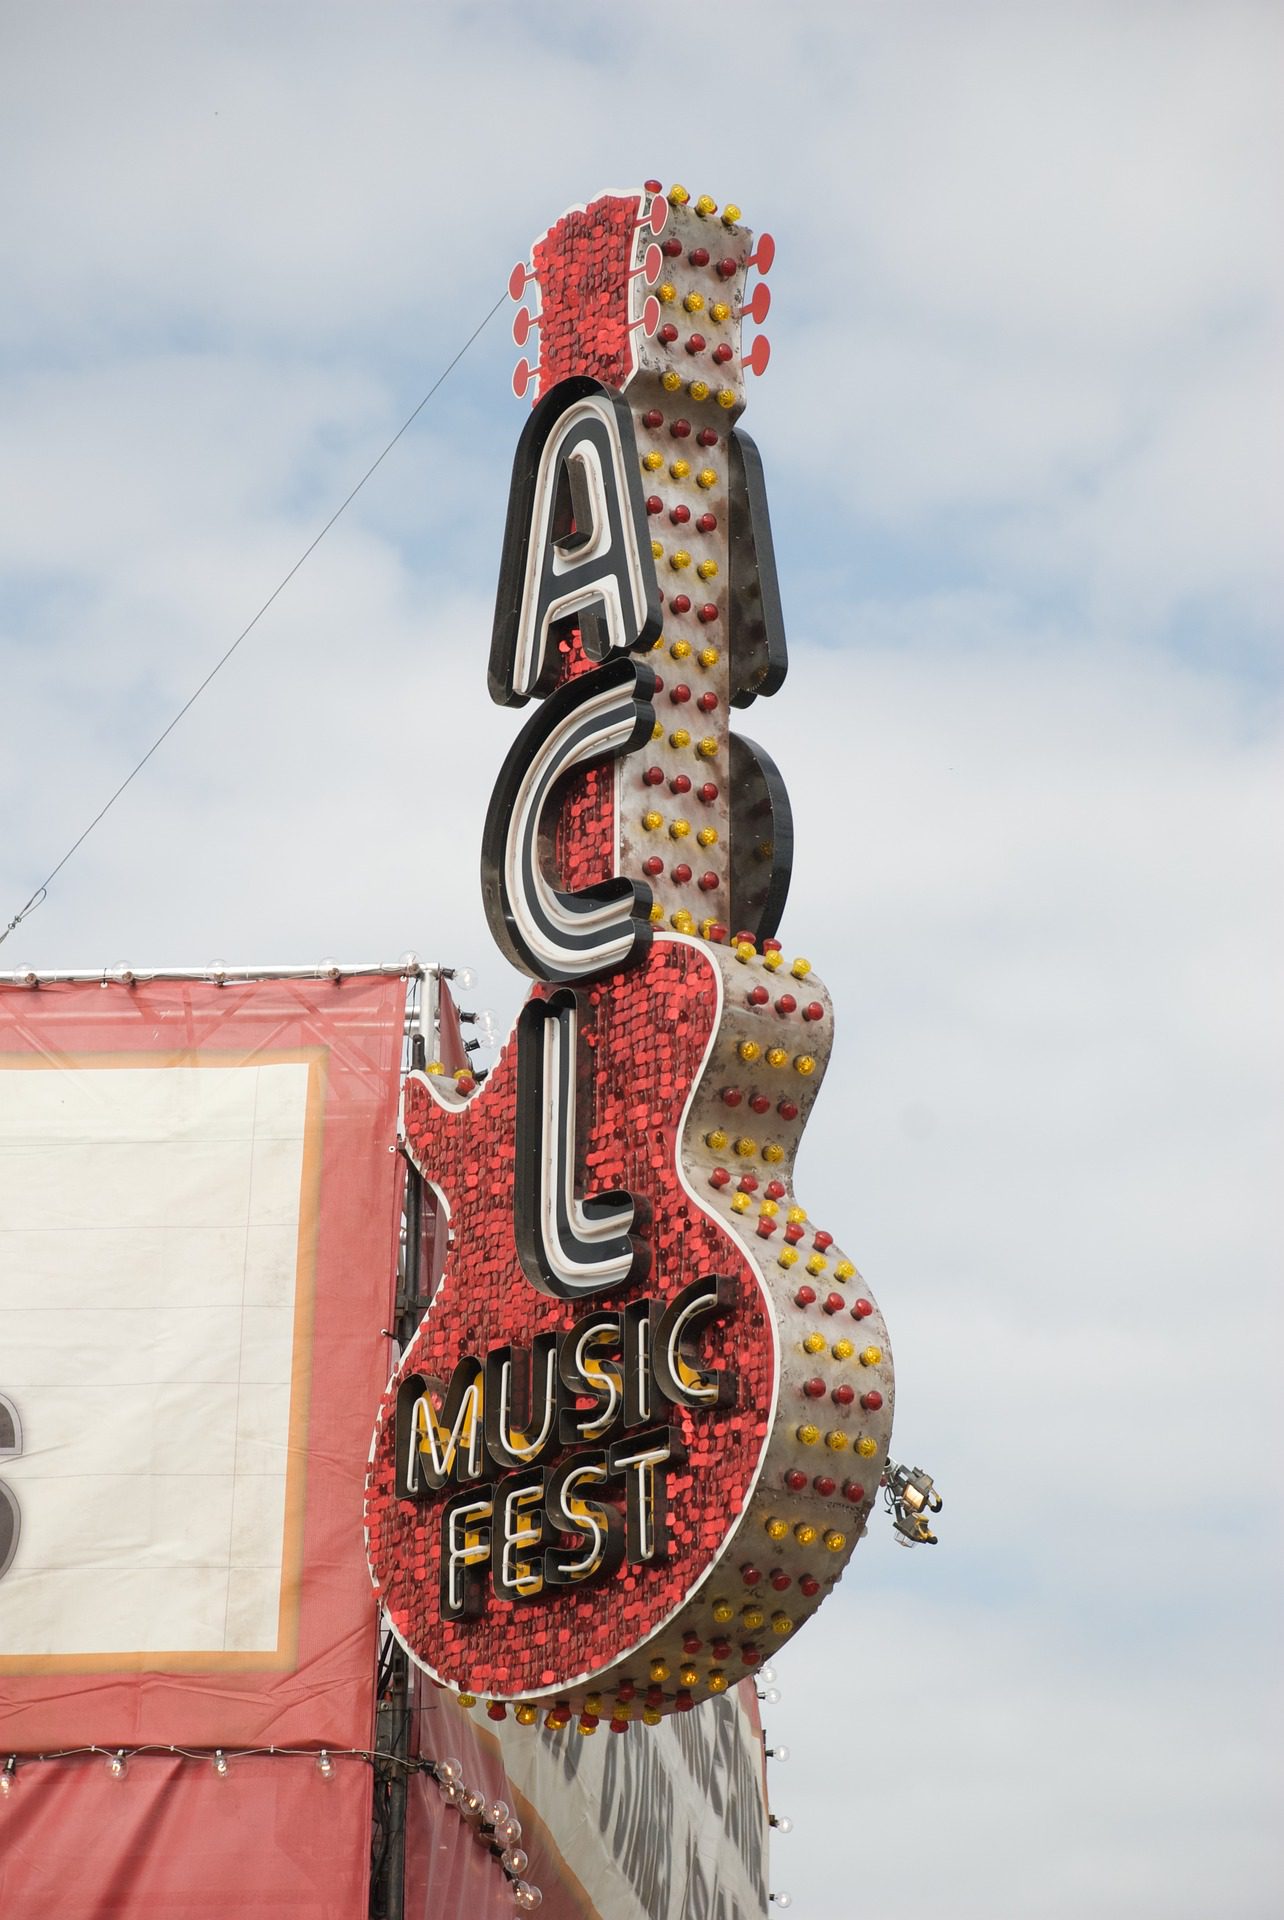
x=731 y=1096
x=750 y=1574
x=680 y=783
x=834 y=1303
x=696 y=343
x=787 y=1110
x=699 y=256
x=720 y=1177
x=707 y=522
x=679 y=516
x=761 y=1103
x=708 y=881
x=708 y=793
x=653 y=777
x=653 y=865
x=679 y=604
x=862 y=1309
x=708 y=613
x=654 y=503
x=680 y=694
x=795 y=1481
x=823 y=1485
x=727 y=269
x=707 y=436
x=775 y=1189
x=804 y=1296
x=758 y=996
x=871 y=1401
x=844 y=1395
x=682 y=873
x=854 y=1492
x=814 y=1388
x=809 y=1585
x=668 y=333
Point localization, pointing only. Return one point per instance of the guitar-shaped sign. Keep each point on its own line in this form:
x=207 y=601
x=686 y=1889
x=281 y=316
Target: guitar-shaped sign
x=639 y=1430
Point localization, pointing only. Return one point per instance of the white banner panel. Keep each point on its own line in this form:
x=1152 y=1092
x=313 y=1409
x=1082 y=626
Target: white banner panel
x=151 y=1292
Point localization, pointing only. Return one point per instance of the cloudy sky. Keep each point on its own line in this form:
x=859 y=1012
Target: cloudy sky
x=1020 y=429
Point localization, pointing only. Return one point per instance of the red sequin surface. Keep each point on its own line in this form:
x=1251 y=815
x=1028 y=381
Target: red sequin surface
x=583 y=266
x=643 y=1037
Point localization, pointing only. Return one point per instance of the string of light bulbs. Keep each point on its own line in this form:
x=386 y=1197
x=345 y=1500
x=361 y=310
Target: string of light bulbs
x=492 y=1822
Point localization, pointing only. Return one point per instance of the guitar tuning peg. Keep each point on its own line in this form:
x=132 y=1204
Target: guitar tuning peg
x=652 y=266
x=656 y=214
x=650 y=318
x=518 y=279
x=523 y=374
x=759 y=306
x=758 y=355
x=524 y=320
x=764 y=254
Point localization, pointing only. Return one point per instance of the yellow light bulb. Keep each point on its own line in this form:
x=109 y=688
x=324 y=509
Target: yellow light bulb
x=706 y=478
x=772 y=959
x=657 y=913
x=776 y=1057
x=745 y=1147
x=730 y=215
x=707 y=926
x=836 y=1440
x=622 y=1710
x=680 y=559
x=769 y=1209
x=680 y=738
x=468 y=1699
x=693 y=302
x=434 y=1066
x=801 y=968
x=814 y=1343
x=680 y=469
x=667 y=292
x=657 y=551
x=652 y=461
x=866 y=1447
x=842 y=1349
x=680 y=650
x=708 y=656
x=699 y=389
x=678 y=195
x=786 y=1257
x=651 y=1716
x=805 y=1063
x=657 y=731
x=720 y=311
x=870 y=1356
x=716 y=1141
x=777 y=1529
x=743 y=951
x=835 y=1540
x=717 y=1681
x=808 y=1434
x=844 y=1270
x=652 y=820
x=726 y=398
x=678 y=829
x=781 y=1624
x=708 y=747
x=773 y=1153
x=723 y=1611
x=689 y=1676
x=704 y=206
x=817 y=1262
x=681 y=921
x=707 y=569
x=749 y=1050
x=708 y=836
x=526 y=1715
x=592 y=1703
x=659 y=1672
x=740 y=1203
x=804 y=1533
x=671 y=381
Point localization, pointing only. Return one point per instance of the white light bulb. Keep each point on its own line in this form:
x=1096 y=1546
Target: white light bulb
x=450 y=1769
x=27 y=976
x=325 y=1765
x=122 y=973
x=499 y=1812
x=220 y=1764
x=116 y=1765
x=473 y=1801
x=783 y=1899
x=511 y=1831
x=6 y=1776
x=516 y=1860
x=771 y=1696
x=767 y=1674
x=782 y=1823
x=409 y=961
x=463 y=980
x=528 y=1897
x=452 y=1793
x=218 y=971
x=778 y=1753
x=328 y=969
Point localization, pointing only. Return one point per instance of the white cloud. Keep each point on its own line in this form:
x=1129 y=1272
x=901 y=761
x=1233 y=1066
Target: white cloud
x=1014 y=433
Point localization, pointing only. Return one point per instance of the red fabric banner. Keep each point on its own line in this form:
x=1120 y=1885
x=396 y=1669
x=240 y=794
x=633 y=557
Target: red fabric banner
x=199 y=1208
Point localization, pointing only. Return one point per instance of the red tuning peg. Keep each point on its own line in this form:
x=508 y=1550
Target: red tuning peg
x=758 y=355
x=759 y=307
x=656 y=214
x=650 y=318
x=517 y=280
x=765 y=254
x=522 y=377
x=523 y=321
x=652 y=266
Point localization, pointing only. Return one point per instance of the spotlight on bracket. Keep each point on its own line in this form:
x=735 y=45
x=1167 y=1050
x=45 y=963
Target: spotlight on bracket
x=910 y=1496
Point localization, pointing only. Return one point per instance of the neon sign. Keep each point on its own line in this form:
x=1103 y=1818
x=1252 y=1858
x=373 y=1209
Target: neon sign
x=638 y=1432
